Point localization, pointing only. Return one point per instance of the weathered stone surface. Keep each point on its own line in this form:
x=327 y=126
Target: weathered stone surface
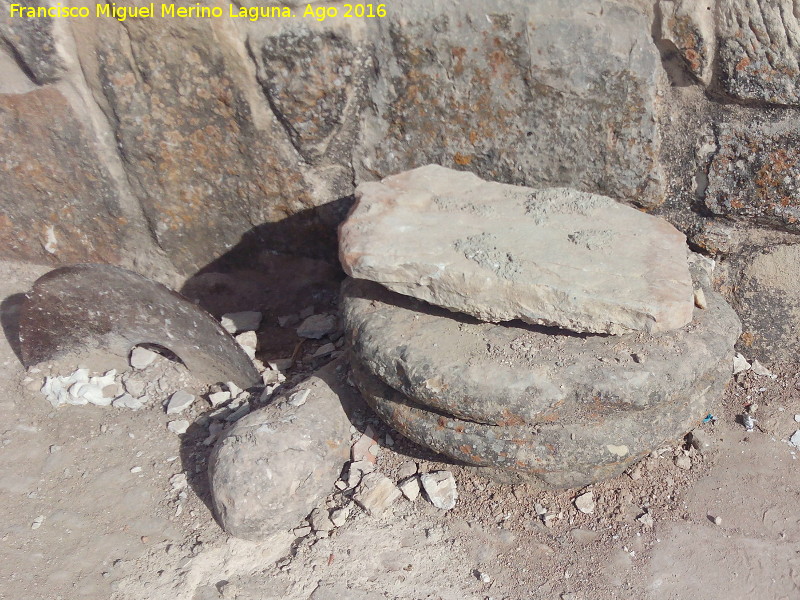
x=508 y=375
x=206 y=161
x=689 y=26
x=499 y=252
x=768 y=299
x=276 y=464
x=57 y=202
x=376 y=493
x=31 y=41
x=537 y=93
x=560 y=455
x=440 y=488
x=755 y=174
x=308 y=77
x=759 y=50
x=93 y=315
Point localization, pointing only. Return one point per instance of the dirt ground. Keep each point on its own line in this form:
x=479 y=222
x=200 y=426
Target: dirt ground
x=80 y=520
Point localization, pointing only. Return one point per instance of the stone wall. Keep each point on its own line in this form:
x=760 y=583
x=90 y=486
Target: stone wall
x=162 y=144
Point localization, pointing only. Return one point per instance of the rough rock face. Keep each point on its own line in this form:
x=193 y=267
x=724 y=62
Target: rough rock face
x=57 y=201
x=755 y=173
x=499 y=252
x=275 y=465
x=504 y=96
x=769 y=302
x=32 y=41
x=204 y=170
x=689 y=26
x=510 y=375
x=759 y=50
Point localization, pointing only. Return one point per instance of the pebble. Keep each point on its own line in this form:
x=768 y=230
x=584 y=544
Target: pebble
x=740 y=364
x=233 y=389
x=407 y=469
x=646 y=519
x=683 y=462
x=302 y=531
x=795 y=439
x=410 y=488
x=717 y=520
x=37 y=522
x=136 y=470
x=249 y=342
x=700 y=299
x=281 y=364
x=376 y=493
x=585 y=503
x=317 y=326
x=483 y=577
x=797 y=418
x=320 y=520
x=324 y=350
x=760 y=369
x=141 y=358
x=340 y=485
x=178 y=427
x=218 y=398
x=179 y=481
x=361 y=449
x=339 y=516
x=179 y=402
x=440 y=487
x=248 y=320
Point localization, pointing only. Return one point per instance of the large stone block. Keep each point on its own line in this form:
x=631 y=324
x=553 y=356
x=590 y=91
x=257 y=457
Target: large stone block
x=537 y=93
x=205 y=166
x=759 y=50
x=57 y=201
x=755 y=173
x=499 y=252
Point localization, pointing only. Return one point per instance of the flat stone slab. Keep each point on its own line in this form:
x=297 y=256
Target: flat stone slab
x=499 y=252
x=560 y=455
x=516 y=373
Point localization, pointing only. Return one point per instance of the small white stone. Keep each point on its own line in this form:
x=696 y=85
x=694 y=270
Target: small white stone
x=410 y=488
x=179 y=402
x=218 y=398
x=700 y=299
x=302 y=531
x=646 y=519
x=760 y=369
x=37 y=522
x=317 y=326
x=320 y=520
x=795 y=439
x=585 y=503
x=241 y=321
x=141 y=358
x=440 y=487
x=234 y=389
x=339 y=515
x=376 y=493
x=179 y=481
x=683 y=462
x=483 y=577
x=249 y=342
x=797 y=418
x=178 y=427
x=281 y=364
x=717 y=520
x=136 y=470
x=407 y=469
x=740 y=364
x=128 y=401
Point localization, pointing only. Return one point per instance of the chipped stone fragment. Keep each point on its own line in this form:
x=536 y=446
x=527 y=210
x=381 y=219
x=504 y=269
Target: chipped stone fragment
x=440 y=488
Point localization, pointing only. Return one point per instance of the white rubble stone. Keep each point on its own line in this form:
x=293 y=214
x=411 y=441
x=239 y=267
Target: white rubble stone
x=179 y=402
x=440 y=487
x=683 y=462
x=317 y=326
x=407 y=469
x=339 y=515
x=141 y=358
x=320 y=520
x=179 y=481
x=499 y=252
x=178 y=427
x=233 y=389
x=248 y=320
x=376 y=493
x=299 y=398
x=128 y=401
x=795 y=439
x=760 y=369
x=740 y=364
x=585 y=503
x=218 y=398
x=410 y=488
x=249 y=342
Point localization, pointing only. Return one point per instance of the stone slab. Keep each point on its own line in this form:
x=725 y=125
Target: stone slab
x=499 y=252
x=513 y=374
x=562 y=455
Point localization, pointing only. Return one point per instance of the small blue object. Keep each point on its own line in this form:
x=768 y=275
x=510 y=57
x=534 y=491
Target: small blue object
x=709 y=417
